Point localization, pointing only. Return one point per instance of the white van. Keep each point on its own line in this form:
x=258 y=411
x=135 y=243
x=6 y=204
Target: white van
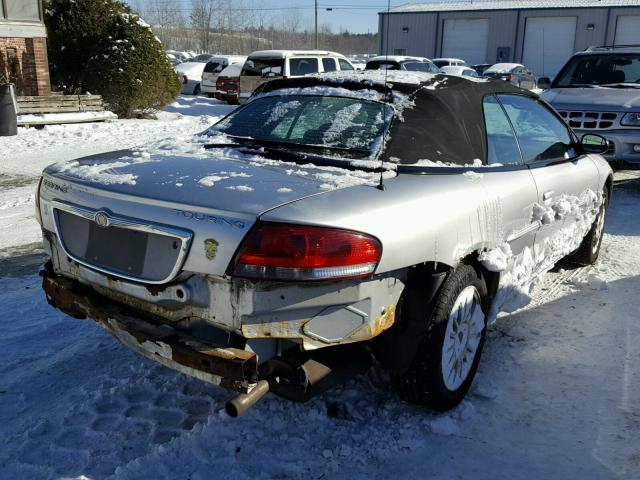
x=266 y=65
x=213 y=68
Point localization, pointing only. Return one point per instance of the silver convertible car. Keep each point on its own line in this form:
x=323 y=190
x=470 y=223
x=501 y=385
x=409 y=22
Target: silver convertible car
x=331 y=222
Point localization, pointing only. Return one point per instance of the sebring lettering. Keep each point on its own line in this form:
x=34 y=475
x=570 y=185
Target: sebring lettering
x=210 y=218
x=54 y=186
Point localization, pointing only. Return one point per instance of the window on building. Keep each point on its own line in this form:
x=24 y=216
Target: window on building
x=23 y=10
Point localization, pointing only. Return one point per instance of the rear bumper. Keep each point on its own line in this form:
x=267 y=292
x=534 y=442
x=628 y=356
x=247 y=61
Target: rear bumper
x=206 y=88
x=222 y=365
x=323 y=314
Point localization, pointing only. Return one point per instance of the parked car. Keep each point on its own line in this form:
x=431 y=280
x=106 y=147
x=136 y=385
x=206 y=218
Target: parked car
x=598 y=91
x=203 y=57
x=398 y=62
x=514 y=73
x=449 y=62
x=460 y=71
x=228 y=84
x=272 y=64
x=173 y=60
x=190 y=74
x=181 y=56
x=481 y=67
x=292 y=250
x=213 y=68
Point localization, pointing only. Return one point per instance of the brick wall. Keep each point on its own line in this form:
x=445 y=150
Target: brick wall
x=24 y=61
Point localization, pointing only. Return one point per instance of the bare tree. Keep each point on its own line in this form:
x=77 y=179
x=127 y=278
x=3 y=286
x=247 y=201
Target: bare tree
x=202 y=13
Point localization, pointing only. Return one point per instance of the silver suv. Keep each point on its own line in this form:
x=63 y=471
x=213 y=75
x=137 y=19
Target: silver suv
x=598 y=91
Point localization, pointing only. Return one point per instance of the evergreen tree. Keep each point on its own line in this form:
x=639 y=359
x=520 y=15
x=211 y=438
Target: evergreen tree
x=102 y=47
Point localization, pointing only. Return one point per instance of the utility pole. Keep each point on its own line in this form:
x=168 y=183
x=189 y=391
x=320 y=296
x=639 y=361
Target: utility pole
x=316 y=1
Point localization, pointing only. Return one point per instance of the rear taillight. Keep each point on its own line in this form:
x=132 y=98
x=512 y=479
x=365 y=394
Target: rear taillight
x=276 y=251
x=185 y=79
x=508 y=78
x=37 y=198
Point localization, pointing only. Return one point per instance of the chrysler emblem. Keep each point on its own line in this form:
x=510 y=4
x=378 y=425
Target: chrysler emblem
x=101 y=219
x=210 y=248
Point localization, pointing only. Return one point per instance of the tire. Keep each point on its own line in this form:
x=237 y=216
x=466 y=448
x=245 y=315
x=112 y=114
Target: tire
x=434 y=379
x=589 y=250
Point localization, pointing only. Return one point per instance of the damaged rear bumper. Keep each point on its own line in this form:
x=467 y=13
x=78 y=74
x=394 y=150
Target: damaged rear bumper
x=232 y=368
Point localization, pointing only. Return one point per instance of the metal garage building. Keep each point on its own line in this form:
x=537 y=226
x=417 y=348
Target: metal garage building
x=541 y=34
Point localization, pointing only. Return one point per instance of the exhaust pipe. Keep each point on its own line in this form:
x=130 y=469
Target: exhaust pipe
x=239 y=404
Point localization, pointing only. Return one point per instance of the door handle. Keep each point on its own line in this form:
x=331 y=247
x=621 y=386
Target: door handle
x=547 y=195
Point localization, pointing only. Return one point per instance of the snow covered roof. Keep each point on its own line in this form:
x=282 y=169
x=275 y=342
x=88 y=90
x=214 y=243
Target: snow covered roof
x=508 y=5
x=396 y=58
x=456 y=70
x=291 y=53
x=447 y=59
x=230 y=58
x=190 y=67
x=503 y=67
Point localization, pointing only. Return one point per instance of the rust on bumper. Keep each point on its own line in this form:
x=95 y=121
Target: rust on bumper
x=231 y=368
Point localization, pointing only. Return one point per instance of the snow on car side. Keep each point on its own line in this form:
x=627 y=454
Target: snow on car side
x=329 y=217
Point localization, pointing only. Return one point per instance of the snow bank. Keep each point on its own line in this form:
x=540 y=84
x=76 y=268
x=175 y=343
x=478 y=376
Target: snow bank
x=70 y=117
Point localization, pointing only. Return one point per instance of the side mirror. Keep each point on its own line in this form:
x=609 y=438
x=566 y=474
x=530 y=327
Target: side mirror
x=592 y=143
x=544 y=83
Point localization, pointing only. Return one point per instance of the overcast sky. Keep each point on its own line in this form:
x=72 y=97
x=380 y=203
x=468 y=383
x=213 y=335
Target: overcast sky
x=355 y=15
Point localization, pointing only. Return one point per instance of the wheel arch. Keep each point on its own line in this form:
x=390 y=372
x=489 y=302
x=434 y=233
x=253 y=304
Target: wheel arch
x=396 y=347
x=608 y=184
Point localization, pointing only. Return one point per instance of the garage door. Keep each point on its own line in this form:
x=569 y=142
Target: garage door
x=548 y=44
x=628 y=30
x=466 y=39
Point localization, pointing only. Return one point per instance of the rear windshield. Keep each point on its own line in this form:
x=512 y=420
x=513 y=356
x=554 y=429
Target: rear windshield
x=421 y=67
x=309 y=120
x=594 y=70
x=382 y=65
x=213 y=67
x=263 y=67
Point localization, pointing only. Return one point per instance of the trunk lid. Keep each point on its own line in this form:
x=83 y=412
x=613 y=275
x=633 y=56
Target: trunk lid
x=214 y=182
x=206 y=203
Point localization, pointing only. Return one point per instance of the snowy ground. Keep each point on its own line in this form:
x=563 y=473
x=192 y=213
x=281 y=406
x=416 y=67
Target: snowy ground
x=557 y=395
x=23 y=156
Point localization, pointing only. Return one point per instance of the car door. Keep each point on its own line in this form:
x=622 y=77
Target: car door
x=508 y=181
x=562 y=176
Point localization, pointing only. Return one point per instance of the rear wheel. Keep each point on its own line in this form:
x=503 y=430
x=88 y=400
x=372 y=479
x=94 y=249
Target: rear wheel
x=588 y=251
x=447 y=359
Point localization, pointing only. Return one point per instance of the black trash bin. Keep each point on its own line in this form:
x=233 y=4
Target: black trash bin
x=8 y=114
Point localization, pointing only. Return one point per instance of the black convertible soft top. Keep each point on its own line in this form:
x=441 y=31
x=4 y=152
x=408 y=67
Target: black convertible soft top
x=444 y=120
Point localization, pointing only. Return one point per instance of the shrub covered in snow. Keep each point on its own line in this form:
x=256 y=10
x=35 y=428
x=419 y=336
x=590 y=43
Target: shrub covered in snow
x=104 y=48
